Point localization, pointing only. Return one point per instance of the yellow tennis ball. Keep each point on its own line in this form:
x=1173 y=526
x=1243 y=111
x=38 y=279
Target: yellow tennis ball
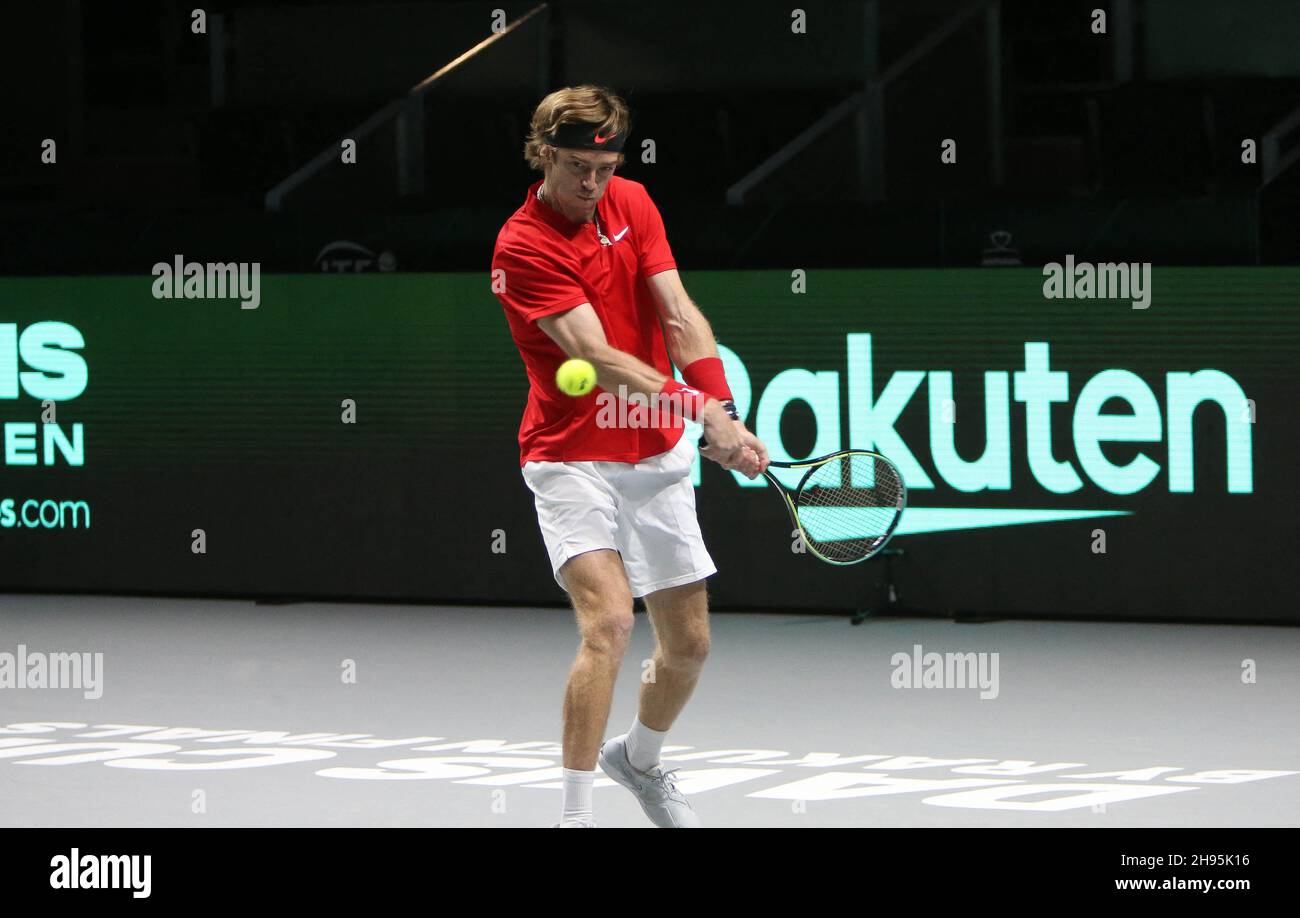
x=575 y=377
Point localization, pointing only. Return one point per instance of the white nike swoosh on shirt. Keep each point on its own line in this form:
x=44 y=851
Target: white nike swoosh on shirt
x=622 y=232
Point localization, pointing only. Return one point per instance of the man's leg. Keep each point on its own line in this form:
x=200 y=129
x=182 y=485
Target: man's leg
x=680 y=616
x=602 y=601
x=681 y=624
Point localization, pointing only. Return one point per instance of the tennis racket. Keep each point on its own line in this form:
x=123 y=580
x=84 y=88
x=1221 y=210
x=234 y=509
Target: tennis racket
x=846 y=505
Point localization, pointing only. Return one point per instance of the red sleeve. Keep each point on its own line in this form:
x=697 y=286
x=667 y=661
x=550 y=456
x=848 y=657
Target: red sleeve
x=653 y=249
x=533 y=285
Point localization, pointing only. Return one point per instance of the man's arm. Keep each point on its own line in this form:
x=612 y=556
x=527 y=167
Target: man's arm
x=690 y=338
x=579 y=333
x=689 y=335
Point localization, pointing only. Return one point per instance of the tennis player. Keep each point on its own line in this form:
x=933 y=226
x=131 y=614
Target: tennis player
x=583 y=269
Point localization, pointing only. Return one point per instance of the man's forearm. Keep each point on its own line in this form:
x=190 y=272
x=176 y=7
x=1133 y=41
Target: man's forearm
x=689 y=335
x=622 y=374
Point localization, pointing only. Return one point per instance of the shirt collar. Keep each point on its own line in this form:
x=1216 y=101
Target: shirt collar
x=549 y=214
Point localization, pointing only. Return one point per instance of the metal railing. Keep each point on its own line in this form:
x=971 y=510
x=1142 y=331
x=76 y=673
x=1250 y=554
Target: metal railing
x=867 y=105
x=407 y=113
x=1273 y=161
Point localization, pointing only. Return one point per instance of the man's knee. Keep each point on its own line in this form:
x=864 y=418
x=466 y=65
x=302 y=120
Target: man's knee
x=601 y=599
x=608 y=632
x=687 y=651
x=680 y=616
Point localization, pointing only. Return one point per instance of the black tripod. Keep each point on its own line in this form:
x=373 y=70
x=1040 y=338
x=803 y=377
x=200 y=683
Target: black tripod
x=883 y=598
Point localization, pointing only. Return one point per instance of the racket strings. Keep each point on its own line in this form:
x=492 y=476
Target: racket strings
x=848 y=506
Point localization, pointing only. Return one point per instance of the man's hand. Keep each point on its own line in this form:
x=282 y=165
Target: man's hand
x=730 y=444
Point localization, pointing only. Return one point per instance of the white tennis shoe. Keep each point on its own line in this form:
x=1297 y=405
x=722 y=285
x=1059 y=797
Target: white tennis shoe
x=659 y=797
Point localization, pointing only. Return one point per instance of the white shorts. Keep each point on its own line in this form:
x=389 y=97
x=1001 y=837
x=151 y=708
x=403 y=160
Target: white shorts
x=645 y=512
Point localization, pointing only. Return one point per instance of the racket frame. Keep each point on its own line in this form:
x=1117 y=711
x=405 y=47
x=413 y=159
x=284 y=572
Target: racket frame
x=791 y=495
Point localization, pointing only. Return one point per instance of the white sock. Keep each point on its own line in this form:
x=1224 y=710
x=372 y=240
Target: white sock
x=644 y=745
x=577 y=794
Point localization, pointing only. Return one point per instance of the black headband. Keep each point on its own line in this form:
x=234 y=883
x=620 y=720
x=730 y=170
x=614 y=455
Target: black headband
x=583 y=135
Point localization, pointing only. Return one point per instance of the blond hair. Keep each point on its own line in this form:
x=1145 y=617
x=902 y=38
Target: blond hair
x=588 y=104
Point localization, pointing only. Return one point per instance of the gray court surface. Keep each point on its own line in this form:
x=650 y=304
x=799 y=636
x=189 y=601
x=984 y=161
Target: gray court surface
x=234 y=714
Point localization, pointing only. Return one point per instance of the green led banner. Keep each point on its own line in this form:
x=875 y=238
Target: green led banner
x=354 y=436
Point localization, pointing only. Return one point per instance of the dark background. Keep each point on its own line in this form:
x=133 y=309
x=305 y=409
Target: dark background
x=1123 y=147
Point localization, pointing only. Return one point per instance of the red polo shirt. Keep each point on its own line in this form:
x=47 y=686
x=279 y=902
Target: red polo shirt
x=551 y=265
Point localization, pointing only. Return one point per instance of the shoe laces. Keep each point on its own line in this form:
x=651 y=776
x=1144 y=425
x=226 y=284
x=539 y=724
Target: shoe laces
x=665 y=781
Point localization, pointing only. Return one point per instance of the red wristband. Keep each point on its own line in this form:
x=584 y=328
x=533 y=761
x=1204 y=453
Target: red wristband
x=706 y=375
x=683 y=400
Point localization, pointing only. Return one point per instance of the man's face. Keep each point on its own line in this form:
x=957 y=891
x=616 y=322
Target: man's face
x=576 y=180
